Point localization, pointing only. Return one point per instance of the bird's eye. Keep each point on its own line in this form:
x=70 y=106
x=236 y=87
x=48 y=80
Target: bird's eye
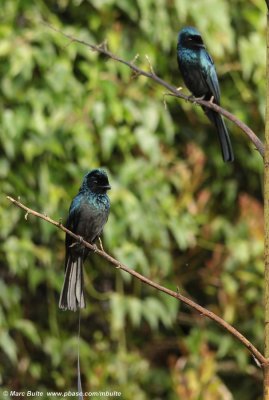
x=189 y=39
x=95 y=181
x=198 y=39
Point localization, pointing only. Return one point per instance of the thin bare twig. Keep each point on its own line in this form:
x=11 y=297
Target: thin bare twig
x=172 y=89
x=201 y=310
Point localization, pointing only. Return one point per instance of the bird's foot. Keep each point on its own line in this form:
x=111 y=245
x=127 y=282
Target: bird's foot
x=195 y=99
x=95 y=248
x=179 y=88
x=100 y=243
x=212 y=98
x=79 y=241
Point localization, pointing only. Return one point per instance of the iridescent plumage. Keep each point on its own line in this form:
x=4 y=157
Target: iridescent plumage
x=88 y=214
x=199 y=74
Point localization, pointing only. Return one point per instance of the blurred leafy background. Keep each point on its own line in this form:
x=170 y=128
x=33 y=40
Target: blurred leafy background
x=179 y=214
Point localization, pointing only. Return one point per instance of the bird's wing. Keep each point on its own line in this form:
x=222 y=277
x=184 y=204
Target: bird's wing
x=73 y=219
x=210 y=75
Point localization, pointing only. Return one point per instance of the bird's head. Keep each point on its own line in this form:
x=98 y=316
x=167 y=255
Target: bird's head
x=190 y=38
x=96 y=181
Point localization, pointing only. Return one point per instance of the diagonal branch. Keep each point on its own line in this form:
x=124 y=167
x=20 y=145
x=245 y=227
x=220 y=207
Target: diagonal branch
x=172 y=89
x=201 y=310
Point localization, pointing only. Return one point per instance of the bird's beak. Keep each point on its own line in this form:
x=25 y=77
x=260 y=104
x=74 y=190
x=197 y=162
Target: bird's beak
x=200 y=45
x=107 y=187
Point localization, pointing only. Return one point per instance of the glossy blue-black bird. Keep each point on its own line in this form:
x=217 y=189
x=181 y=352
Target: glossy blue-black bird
x=199 y=74
x=88 y=214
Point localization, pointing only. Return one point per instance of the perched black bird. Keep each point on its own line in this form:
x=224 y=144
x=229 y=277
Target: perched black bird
x=199 y=74
x=88 y=214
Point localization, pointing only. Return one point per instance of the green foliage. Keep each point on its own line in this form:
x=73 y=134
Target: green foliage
x=179 y=215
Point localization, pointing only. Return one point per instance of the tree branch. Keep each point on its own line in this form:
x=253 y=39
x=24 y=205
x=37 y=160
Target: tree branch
x=172 y=89
x=201 y=310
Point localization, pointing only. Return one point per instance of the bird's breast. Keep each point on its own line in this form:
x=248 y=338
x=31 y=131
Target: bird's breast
x=190 y=68
x=92 y=217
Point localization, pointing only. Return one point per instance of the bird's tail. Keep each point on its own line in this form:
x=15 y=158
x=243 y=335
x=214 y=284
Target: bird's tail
x=224 y=138
x=72 y=294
